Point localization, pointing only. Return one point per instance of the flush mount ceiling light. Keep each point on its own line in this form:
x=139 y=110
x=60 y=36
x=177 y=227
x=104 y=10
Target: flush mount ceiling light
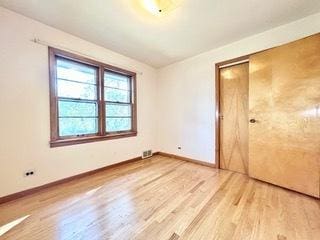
x=159 y=7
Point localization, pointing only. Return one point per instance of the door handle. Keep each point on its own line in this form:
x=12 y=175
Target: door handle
x=252 y=120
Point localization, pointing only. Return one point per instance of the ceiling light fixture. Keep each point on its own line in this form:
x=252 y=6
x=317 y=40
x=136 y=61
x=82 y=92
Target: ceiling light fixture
x=158 y=7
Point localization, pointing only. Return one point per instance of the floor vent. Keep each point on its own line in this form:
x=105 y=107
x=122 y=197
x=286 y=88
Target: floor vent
x=146 y=154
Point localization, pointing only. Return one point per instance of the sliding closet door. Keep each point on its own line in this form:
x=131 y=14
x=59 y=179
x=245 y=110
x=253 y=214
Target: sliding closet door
x=234 y=87
x=284 y=112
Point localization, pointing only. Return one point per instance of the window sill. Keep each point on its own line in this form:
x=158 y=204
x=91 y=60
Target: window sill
x=80 y=140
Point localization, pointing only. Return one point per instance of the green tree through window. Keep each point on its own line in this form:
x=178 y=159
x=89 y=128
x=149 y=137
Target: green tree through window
x=89 y=100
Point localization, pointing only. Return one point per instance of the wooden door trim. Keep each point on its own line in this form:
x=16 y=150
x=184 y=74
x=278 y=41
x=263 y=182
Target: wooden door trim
x=236 y=61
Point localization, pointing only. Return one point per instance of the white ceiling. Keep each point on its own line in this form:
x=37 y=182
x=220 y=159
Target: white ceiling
x=194 y=27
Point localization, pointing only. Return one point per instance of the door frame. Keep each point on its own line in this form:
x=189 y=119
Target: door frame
x=218 y=66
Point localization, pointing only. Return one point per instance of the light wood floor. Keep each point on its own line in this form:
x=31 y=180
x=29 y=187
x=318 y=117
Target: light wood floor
x=163 y=198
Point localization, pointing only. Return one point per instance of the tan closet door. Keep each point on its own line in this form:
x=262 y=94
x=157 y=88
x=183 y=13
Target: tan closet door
x=284 y=99
x=234 y=89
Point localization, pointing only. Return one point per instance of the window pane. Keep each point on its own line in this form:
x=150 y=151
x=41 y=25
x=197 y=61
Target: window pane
x=115 y=80
x=70 y=70
x=116 y=95
x=118 y=124
x=76 y=90
x=118 y=110
x=77 y=109
x=77 y=126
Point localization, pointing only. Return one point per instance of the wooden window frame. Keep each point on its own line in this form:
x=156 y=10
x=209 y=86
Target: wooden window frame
x=55 y=139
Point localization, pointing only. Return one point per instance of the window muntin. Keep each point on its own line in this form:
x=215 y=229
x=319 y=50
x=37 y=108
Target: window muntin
x=89 y=101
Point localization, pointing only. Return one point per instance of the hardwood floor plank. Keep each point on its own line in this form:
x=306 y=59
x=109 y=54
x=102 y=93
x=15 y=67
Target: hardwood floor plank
x=163 y=198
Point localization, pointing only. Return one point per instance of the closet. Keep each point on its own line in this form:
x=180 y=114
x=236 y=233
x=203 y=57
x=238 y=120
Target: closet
x=283 y=120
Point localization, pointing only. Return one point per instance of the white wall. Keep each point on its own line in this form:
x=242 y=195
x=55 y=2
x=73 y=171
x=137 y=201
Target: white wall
x=24 y=104
x=186 y=99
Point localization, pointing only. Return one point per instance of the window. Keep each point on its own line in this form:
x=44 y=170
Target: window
x=77 y=98
x=89 y=100
x=118 y=103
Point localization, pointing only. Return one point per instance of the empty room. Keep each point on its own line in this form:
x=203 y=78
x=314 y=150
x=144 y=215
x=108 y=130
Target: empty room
x=160 y=120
